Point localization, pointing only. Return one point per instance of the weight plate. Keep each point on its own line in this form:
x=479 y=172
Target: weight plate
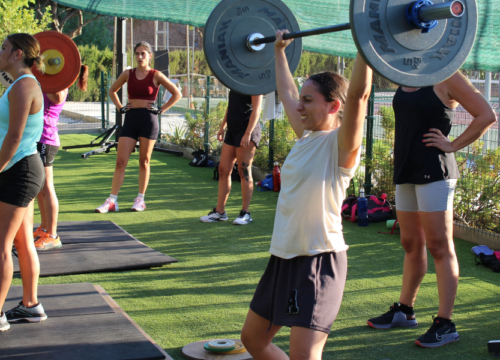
x=228 y=56
x=5 y=79
x=52 y=40
x=221 y=344
x=405 y=55
x=208 y=348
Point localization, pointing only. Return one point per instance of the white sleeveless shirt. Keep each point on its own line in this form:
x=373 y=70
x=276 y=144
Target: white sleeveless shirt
x=308 y=216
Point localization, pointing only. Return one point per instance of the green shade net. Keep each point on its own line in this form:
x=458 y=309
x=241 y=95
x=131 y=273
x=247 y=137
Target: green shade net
x=309 y=13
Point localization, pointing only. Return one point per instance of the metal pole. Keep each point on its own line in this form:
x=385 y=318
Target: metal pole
x=131 y=42
x=165 y=36
x=159 y=101
x=369 y=142
x=270 y=162
x=194 y=38
x=207 y=111
x=187 y=67
x=108 y=85
x=156 y=35
x=103 y=118
x=121 y=64
x=487 y=95
x=168 y=37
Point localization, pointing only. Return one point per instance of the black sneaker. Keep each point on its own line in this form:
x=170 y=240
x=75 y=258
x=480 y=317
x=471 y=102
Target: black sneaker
x=4 y=324
x=394 y=317
x=243 y=219
x=440 y=333
x=23 y=313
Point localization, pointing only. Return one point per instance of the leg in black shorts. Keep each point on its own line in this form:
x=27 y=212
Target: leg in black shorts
x=140 y=122
x=47 y=153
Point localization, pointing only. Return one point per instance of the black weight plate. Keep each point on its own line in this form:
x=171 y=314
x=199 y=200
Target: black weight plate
x=405 y=55
x=224 y=42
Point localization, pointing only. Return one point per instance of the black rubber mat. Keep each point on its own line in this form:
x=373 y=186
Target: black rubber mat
x=102 y=336
x=64 y=300
x=74 y=232
x=98 y=257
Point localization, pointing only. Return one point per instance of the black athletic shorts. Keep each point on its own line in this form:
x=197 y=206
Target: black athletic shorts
x=47 y=153
x=22 y=182
x=233 y=138
x=140 y=122
x=304 y=291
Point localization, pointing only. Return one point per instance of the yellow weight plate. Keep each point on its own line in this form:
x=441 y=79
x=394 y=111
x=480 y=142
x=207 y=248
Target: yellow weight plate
x=54 y=61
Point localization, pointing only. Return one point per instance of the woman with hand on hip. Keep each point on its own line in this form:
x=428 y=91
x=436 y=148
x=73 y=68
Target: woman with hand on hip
x=141 y=122
x=21 y=174
x=303 y=284
x=425 y=174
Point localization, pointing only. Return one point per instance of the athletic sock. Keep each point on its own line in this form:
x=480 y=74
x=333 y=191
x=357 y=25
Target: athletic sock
x=406 y=309
x=44 y=230
x=53 y=236
x=114 y=198
x=140 y=196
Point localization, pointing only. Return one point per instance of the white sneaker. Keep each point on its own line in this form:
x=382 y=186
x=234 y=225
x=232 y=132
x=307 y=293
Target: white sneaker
x=109 y=205
x=139 y=204
x=243 y=219
x=214 y=216
x=4 y=324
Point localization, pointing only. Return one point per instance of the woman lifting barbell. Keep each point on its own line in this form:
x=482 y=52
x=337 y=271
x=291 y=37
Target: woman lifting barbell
x=141 y=122
x=303 y=284
x=425 y=174
x=45 y=235
x=21 y=174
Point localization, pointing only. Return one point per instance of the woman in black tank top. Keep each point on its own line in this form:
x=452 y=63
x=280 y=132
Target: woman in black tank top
x=423 y=159
x=241 y=139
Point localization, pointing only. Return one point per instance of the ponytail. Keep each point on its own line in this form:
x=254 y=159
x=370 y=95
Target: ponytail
x=40 y=64
x=83 y=77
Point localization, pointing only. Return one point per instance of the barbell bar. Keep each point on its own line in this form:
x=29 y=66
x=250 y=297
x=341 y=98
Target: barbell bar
x=411 y=43
x=426 y=14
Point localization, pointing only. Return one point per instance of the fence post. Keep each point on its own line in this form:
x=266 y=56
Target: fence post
x=270 y=162
x=108 y=85
x=103 y=117
x=207 y=111
x=369 y=142
x=159 y=102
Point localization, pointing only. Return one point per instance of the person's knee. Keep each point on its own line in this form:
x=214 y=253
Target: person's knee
x=121 y=163
x=144 y=162
x=245 y=172
x=225 y=170
x=440 y=250
x=252 y=341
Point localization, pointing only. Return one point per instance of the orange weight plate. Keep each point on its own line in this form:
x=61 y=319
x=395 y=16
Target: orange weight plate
x=52 y=40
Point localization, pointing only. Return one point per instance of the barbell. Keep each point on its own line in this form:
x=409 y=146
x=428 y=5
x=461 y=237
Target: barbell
x=62 y=63
x=411 y=43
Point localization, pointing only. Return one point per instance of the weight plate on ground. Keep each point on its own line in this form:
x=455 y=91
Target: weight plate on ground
x=52 y=40
x=405 y=55
x=221 y=344
x=225 y=350
x=225 y=43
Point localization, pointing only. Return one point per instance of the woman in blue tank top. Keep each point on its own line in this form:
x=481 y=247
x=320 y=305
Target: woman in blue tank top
x=21 y=174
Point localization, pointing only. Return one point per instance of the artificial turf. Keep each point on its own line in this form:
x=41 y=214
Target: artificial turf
x=206 y=294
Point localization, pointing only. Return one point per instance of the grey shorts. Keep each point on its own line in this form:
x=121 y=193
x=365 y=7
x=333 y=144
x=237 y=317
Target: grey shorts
x=435 y=196
x=304 y=291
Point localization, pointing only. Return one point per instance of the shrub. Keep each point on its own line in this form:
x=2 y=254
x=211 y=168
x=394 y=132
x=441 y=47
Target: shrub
x=97 y=61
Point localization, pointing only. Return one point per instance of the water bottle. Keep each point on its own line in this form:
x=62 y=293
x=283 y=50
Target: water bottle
x=362 y=209
x=276 y=177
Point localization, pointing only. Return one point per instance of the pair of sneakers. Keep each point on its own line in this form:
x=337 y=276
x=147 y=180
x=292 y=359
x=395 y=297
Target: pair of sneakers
x=243 y=218
x=442 y=331
x=44 y=240
x=22 y=313
x=111 y=205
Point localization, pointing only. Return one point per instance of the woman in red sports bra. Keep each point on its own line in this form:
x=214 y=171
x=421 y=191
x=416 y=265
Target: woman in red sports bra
x=141 y=122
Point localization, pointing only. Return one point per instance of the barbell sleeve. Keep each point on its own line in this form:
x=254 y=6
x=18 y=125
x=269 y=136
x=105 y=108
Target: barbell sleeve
x=446 y=10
